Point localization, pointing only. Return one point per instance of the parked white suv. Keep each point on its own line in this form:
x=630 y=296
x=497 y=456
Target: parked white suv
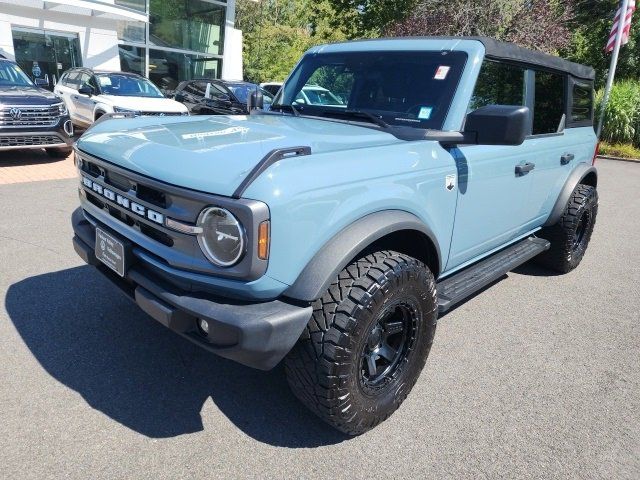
x=90 y=94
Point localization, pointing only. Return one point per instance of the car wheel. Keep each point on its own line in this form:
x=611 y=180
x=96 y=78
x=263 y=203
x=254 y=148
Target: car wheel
x=366 y=343
x=59 y=152
x=570 y=236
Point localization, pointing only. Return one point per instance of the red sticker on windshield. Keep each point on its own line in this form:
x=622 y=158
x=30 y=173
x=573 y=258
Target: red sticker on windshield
x=441 y=72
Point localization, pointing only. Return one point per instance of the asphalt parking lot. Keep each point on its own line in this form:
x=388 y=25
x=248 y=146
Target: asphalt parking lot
x=536 y=377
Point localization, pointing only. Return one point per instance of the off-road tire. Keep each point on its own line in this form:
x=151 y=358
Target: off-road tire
x=56 y=152
x=324 y=369
x=570 y=236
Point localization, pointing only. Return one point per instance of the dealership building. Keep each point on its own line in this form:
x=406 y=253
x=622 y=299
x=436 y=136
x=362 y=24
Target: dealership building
x=165 y=40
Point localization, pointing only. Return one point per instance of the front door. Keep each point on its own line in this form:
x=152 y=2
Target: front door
x=491 y=199
x=493 y=182
x=45 y=55
x=84 y=104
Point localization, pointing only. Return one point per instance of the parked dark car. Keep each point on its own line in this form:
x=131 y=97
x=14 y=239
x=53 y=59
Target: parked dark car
x=30 y=116
x=218 y=97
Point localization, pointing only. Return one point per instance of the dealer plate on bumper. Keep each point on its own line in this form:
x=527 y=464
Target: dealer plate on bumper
x=110 y=251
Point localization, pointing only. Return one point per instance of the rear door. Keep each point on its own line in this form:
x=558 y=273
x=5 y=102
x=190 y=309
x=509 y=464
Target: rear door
x=65 y=88
x=492 y=188
x=559 y=146
x=548 y=141
x=84 y=103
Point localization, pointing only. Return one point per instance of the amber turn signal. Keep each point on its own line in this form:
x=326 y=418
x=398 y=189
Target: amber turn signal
x=263 y=240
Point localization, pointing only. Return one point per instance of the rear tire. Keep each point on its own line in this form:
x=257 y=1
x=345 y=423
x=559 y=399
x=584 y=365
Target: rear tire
x=570 y=236
x=366 y=343
x=63 y=152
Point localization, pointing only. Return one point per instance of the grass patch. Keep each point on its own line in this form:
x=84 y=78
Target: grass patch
x=622 y=150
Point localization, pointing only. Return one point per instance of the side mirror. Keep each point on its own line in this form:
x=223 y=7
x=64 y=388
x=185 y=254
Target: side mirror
x=497 y=125
x=41 y=82
x=179 y=97
x=85 y=90
x=255 y=101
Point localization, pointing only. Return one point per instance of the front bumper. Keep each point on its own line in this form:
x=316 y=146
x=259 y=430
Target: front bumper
x=256 y=334
x=59 y=135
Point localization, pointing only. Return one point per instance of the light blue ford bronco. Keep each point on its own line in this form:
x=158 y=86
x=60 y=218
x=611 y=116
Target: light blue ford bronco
x=330 y=231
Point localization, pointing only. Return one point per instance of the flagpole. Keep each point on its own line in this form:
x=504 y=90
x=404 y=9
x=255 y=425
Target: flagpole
x=613 y=65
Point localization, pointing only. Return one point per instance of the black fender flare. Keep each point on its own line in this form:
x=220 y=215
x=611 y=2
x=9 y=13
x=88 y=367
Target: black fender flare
x=575 y=177
x=336 y=254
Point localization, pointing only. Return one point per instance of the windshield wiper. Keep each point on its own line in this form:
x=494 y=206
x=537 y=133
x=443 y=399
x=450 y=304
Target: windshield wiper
x=360 y=114
x=282 y=107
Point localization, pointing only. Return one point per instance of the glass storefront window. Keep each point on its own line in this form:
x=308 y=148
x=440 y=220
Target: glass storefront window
x=140 y=5
x=130 y=31
x=132 y=59
x=45 y=54
x=187 y=24
x=168 y=69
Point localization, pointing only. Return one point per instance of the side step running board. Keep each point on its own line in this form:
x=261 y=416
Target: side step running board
x=461 y=285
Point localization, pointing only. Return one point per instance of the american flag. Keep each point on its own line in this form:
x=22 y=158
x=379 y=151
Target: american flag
x=625 y=29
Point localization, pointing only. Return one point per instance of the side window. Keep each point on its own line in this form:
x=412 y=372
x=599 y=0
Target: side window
x=83 y=80
x=582 y=102
x=72 y=80
x=548 y=107
x=214 y=90
x=498 y=84
x=196 y=88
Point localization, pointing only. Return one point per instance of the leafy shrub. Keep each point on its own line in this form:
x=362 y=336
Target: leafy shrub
x=622 y=150
x=622 y=120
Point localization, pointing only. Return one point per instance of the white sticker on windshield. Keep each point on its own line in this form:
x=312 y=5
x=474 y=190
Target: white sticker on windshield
x=441 y=72
x=104 y=81
x=425 y=113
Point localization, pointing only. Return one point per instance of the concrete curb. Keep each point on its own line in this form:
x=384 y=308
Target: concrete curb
x=619 y=159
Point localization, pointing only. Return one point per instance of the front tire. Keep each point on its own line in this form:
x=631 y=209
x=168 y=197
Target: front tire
x=570 y=236
x=366 y=343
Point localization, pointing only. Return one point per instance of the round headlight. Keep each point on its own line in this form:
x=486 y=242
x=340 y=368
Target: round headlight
x=222 y=237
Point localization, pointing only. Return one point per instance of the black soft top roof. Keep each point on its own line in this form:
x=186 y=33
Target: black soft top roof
x=514 y=53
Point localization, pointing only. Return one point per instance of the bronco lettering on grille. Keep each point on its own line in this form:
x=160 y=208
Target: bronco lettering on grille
x=123 y=201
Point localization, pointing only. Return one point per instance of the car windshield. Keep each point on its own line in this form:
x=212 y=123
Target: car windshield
x=401 y=88
x=127 y=86
x=11 y=75
x=243 y=90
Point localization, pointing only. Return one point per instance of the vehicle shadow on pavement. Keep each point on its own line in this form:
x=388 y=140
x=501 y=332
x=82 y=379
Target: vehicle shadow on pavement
x=89 y=336
x=19 y=158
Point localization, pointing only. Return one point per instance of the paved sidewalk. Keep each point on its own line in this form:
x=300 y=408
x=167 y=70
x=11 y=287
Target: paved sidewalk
x=19 y=166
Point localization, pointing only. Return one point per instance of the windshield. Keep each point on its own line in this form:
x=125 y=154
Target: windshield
x=403 y=88
x=243 y=90
x=12 y=76
x=127 y=86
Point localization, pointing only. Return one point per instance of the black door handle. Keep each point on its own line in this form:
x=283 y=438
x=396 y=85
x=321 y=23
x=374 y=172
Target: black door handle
x=524 y=168
x=566 y=158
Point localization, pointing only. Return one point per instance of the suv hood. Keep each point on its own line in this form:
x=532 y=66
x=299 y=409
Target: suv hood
x=27 y=96
x=142 y=104
x=214 y=154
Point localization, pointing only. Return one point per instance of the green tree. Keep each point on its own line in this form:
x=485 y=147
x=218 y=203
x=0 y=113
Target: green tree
x=591 y=25
x=277 y=32
x=538 y=24
x=369 y=18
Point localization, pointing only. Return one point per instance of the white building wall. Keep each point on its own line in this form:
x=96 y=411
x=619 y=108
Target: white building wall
x=232 y=59
x=98 y=36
